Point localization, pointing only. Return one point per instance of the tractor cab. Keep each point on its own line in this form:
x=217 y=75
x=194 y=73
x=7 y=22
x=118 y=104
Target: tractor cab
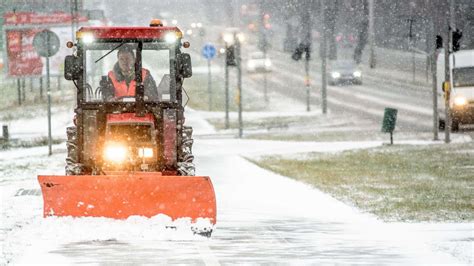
x=147 y=59
x=129 y=79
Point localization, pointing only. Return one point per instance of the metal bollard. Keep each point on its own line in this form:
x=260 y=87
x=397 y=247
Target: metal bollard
x=5 y=133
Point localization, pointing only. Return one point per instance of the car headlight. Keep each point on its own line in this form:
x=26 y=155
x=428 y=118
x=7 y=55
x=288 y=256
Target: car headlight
x=145 y=152
x=116 y=152
x=357 y=74
x=268 y=63
x=228 y=38
x=251 y=64
x=335 y=75
x=460 y=101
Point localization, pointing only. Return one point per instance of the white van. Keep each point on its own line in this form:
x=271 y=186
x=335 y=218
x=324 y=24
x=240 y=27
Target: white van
x=462 y=88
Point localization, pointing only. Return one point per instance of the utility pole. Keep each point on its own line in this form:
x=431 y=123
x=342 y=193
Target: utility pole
x=412 y=47
x=239 y=82
x=74 y=18
x=323 y=58
x=226 y=85
x=372 y=60
x=209 y=83
x=432 y=46
x=307 y=45
x=447 y=73
x=71 y=3
x=48 y=89
x=264 y=45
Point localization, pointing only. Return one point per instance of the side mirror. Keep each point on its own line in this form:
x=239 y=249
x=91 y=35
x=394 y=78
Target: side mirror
x=185 y=68
x=72 y=68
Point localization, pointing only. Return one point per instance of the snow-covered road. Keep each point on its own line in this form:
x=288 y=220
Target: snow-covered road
x=262 y=218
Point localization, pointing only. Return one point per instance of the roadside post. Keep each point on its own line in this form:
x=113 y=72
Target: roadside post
x=208 y=52
x=323 y=48
x=239 y=82
x=447 y=83
x=389 y=121
x=226 y=85
x=47 y=43
x=4 y=140
x=5 y=134
x=305 y=47
x=18 y=88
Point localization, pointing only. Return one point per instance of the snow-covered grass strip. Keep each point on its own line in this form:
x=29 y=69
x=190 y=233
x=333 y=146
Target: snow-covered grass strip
x=398 y=183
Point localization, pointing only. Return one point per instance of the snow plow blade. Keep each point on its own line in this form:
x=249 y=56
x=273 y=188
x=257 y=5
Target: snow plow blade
x=119 y=196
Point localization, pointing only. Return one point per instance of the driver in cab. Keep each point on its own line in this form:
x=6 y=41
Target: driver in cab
x=122 y=77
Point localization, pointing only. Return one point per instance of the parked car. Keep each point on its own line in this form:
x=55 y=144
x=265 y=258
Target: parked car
x=344 y=72
x=257 y=62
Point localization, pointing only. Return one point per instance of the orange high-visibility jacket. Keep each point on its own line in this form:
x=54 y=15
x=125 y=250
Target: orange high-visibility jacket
x=120 y=87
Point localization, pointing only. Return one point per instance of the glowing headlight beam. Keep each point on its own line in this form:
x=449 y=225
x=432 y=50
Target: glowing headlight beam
x=228 y=38
x=335 y=75
x=460 y=100
x=115 y=153
x=170 y=38
x=145 y=152
x=357 y=74
x=88 y=38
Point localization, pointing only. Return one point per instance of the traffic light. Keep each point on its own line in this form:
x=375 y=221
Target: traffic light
x=307 y=50
x=439 y=42
x=230 y=56
x=456 y=38
x=302 y=48
x=457 y=35
x=298 y=52
x=266 y=21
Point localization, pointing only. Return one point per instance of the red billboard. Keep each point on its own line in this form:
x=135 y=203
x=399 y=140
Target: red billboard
x=20 y=29
x=32 y=18
x=21 y=55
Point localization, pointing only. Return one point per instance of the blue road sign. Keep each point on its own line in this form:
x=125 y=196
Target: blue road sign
x=208 y=51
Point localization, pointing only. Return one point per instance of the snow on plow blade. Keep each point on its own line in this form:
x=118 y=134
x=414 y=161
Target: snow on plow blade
x=122 y=195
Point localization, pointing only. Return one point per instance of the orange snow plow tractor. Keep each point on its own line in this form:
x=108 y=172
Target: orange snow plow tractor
x=129 y=151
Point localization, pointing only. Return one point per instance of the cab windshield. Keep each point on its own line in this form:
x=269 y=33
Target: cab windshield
x=463 y=77
x=110 y=76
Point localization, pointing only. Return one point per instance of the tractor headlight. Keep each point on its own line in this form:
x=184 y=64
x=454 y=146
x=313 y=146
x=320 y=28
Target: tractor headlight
x=116 y=153
x=88 y=38
x=335 y=75
x=170 y=37
x=357 y=74
x=460 y=101
x=145 y=152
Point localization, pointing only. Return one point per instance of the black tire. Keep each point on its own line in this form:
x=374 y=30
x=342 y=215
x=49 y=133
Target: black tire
x=72 y=152
x=185 y=161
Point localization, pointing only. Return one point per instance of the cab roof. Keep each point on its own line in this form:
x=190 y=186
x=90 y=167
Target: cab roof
x=135 y=33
